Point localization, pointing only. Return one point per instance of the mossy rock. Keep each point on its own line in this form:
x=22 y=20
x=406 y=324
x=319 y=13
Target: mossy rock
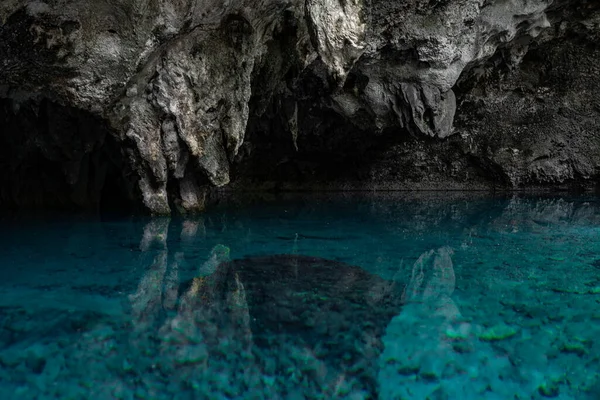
x=498 y=332
x=574 y=347
x=549 y=390
x=455 y=334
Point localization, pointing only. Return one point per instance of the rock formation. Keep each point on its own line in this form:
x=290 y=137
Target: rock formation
x=157 y=103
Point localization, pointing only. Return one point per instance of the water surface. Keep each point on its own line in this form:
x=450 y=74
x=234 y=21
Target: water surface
x=314 y=297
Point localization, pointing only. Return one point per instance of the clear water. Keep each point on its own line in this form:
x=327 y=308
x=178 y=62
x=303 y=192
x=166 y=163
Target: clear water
x=353 y=297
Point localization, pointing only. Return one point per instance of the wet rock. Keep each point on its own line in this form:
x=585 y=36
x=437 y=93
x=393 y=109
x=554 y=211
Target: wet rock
x=549 y=390
x=529 y=353
x=593 y=391
x=498 y=332
x=575 y=347
x=192 y=354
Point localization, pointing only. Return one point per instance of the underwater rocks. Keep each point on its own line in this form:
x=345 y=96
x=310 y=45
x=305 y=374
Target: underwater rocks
x=465 y=346
x=475 y=319
x=321 y=318
x=283 y=326
x=157 y=103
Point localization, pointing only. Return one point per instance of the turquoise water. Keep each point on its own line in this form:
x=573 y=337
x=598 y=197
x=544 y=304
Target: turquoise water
x=350 y=297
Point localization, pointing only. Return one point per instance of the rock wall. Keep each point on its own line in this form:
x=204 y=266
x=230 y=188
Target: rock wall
x=316 y=94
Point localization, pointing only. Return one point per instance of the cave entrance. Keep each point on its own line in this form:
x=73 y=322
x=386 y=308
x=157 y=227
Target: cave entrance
x=55 y=157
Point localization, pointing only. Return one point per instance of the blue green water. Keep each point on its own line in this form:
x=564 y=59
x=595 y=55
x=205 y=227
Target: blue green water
x=352 y=297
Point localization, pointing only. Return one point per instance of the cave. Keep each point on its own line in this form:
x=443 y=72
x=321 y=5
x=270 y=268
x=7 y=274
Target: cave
x=299 y=199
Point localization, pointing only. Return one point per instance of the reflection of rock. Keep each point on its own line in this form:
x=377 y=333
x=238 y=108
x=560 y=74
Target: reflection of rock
x=431 y=351
x=218 y=255
x=192 y=228
x=415 y=339
x=146 y=302
x=318 y=317
x=433 y=292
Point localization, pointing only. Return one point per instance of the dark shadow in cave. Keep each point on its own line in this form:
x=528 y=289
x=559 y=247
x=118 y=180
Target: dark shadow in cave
x=55 y=157
x=300 y=141
x=330 y=149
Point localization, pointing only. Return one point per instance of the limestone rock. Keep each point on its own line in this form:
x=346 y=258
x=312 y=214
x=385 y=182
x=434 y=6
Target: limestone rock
x=175 y=98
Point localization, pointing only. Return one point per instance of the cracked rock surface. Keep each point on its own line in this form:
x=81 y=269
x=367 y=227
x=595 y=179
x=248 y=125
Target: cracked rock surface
x=158 y=102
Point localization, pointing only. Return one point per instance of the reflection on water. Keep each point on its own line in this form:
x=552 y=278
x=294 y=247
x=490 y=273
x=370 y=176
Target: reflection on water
x=357 y=299
x=263 y=321
x=416 y=347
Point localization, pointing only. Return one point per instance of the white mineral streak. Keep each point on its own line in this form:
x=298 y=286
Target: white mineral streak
x=338 y=33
